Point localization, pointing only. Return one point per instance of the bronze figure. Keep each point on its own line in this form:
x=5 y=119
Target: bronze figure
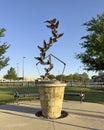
x=53 y=25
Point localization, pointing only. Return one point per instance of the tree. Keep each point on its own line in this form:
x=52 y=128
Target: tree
x=3 y=48
x=60 y=77
x=93 y=56
x=11 y=74
x=85 y=76
x=77 y=77
x=51 y=76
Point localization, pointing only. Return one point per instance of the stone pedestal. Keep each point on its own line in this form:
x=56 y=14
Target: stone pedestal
x=51 y=98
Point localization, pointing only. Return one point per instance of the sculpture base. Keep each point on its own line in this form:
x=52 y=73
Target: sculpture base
x=51 y=98
x=63 y=114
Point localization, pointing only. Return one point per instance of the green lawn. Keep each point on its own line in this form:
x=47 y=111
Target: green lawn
x=7 y=93
x=92 y=94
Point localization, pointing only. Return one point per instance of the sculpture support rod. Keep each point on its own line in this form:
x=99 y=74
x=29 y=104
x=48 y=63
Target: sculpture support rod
x=55 y=58
x=58 y=59
x=61 y=62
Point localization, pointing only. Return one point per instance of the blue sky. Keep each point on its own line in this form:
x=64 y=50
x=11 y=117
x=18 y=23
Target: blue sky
x=25 y=29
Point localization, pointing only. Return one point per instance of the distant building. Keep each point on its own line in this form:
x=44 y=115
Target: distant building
x=20 y=79
x=1 y=79
x=30 y=78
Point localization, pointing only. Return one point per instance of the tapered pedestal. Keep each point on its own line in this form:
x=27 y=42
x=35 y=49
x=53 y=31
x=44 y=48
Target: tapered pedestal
x=51 y=98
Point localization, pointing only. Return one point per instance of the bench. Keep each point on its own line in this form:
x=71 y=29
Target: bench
x=81 y=95
x=18 y=95
x=72 y=94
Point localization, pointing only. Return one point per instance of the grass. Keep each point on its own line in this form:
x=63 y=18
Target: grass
x=92 y=94
x=7 y=93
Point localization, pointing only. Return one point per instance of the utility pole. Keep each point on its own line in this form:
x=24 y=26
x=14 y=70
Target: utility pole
x=23 y=67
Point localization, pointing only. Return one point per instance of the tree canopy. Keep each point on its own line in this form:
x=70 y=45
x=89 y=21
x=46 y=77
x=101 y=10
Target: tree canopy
x=93 y=43
x=11 y=74
x=3 y=48
x=74 y=77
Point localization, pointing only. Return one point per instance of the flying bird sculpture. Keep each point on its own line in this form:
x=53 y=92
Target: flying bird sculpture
x=53 y=25
x=51 y=21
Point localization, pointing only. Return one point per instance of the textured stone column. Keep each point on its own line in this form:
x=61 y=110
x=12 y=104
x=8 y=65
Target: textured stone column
x=51 y=98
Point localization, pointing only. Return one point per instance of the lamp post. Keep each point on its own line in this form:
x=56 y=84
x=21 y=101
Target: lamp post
x=23 y=67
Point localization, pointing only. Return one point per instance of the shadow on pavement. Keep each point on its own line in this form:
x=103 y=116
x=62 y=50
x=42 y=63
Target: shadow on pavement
x=18 y=108
x=9 y=109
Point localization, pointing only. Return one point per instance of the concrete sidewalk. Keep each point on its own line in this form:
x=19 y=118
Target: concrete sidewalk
x=82 y=116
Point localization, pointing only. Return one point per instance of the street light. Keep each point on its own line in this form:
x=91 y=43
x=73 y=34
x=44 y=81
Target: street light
x=23 y=67
x=17 y=70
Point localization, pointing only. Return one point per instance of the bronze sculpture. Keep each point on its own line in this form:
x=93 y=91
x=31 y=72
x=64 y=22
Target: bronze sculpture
x=53 y=25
